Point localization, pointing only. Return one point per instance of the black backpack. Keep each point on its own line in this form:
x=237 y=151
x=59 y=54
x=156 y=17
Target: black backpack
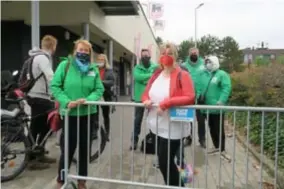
x=26 y=79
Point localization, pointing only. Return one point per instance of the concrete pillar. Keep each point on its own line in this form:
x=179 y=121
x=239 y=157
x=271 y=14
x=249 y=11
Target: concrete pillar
x=110 y=52
x=86 y=31
x=35 y=25
x=133 y=63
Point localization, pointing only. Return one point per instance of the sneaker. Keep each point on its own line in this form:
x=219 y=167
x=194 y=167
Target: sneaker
x=57 y=145
x=213 y=151
x=225 y=156
x=35 y=165
x=46 y=159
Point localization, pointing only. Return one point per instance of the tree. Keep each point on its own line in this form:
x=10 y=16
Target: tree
x=209 y=45
x=159 y=40
x=183 y=49
x=230 y=55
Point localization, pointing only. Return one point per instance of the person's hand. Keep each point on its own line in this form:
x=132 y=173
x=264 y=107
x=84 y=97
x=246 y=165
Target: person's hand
x=219 y=103
x=148 y=103
x=81 y=101
x=160 y=111
x=72 y=104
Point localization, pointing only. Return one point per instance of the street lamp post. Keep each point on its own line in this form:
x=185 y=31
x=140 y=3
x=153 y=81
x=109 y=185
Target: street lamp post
x=195 y=17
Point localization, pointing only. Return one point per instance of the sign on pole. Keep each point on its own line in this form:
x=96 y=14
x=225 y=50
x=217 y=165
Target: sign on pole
x=156 y=10
x=159 y=24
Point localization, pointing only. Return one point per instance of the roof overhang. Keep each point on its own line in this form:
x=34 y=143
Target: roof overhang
x=118 y=8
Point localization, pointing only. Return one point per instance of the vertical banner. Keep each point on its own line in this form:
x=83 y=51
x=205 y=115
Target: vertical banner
x=138 y=45
x=156 y=10
x=150 y=49
x=159 y=24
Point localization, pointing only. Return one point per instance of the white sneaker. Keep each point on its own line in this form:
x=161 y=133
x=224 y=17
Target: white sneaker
x=156 y=164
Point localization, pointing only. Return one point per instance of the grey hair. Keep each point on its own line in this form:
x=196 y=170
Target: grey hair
x=194 y=49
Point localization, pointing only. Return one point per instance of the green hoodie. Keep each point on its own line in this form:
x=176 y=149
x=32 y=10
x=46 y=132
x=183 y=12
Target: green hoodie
x=76 y=85
x=141 y=76
x=219 y=88
x=194 y=69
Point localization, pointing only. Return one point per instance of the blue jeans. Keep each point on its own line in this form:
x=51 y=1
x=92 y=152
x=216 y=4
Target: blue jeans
x=138 y=118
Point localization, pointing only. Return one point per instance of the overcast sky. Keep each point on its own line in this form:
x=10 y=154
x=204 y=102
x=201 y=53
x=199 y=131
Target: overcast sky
x=248 y=21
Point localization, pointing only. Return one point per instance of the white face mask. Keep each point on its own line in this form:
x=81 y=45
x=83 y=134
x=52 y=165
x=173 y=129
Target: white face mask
x=209 y=66
x=100 y=65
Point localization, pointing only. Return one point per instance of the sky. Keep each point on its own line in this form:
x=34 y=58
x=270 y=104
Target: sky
x=248 y=21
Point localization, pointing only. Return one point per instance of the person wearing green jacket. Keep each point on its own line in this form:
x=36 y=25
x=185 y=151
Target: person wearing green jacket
x=141 y=73
x=76 y=81
x=194 y=64
x=214 y=88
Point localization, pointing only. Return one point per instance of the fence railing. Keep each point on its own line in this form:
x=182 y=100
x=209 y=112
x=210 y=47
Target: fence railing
x=230 y=164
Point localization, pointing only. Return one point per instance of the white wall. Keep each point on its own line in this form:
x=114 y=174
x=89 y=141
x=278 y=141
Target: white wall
x=123 y=29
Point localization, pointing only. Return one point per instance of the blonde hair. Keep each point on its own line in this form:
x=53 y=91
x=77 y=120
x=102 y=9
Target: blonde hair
x=106 y=60
x=172 y=47
x=48 y=42
x=86 y=43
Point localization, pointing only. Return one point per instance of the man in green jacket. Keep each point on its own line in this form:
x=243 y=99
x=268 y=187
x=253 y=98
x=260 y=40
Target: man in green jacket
x=214 y=88
x=194 y=65
x=142 y=73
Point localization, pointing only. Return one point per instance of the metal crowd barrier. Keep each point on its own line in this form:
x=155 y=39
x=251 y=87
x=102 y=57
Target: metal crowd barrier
x=244 y=170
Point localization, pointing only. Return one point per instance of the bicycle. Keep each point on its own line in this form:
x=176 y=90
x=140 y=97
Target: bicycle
x=15 y=130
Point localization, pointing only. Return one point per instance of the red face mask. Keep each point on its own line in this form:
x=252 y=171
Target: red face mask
x=166 y=60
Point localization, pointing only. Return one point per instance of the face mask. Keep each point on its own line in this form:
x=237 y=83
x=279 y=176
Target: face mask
x=193 y=58
x=167 y=60
x=209 y=66
x=83 y=68
x=100 y=65
x=83 y=57
x=146 y=61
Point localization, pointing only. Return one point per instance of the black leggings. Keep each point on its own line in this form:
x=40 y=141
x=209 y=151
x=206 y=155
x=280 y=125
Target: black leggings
x=216 y=121
x=174 y=177
x=72 y=138
x=106 y=112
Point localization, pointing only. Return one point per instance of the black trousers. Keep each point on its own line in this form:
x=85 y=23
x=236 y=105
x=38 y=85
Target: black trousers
x=106 y=113
x=72 y=138
x=39 y=112
x=215 y=121
x=163 y=151
x=201 y=126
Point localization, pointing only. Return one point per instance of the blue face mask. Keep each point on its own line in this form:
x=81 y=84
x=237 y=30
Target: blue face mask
x=82 y=61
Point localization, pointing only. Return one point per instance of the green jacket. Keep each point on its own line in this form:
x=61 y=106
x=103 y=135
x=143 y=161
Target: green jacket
x=219 y=88
x=194 y=69
x=75 y=86
x=141 y=76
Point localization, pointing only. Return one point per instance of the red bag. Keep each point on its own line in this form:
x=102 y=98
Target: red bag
x=53 y=118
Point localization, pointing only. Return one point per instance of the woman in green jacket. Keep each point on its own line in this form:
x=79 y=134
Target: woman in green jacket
x=214 y=88
x=76 y=81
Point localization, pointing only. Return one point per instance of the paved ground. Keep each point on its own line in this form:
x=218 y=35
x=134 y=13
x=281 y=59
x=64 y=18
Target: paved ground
x=116 y=163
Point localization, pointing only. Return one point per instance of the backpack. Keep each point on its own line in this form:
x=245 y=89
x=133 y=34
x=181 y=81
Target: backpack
x=26 y=80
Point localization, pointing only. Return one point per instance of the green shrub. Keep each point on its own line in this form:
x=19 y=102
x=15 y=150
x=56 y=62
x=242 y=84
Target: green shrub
x=261 y=86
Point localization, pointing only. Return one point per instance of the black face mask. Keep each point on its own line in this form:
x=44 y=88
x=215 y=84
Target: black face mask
x=146 y=61
x=193 y=58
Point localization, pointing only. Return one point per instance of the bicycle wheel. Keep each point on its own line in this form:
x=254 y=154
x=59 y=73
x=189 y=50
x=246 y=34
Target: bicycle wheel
x=13 y=138
x=100 y=141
